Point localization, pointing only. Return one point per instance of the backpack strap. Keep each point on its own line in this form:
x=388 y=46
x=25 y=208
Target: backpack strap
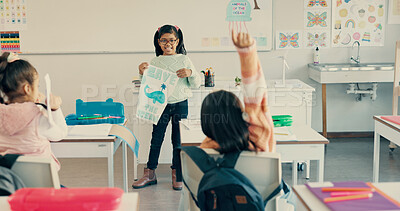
x=229 y=160
x=8 y=160
x=282 y=186
x=201 y=158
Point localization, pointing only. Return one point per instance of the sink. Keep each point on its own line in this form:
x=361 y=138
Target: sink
x=326 y=73
x=351 y=66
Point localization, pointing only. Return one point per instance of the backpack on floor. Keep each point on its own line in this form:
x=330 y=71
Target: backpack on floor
x=222 y=187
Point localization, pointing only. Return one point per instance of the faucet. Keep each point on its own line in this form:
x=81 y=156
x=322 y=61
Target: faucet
x=357 y=59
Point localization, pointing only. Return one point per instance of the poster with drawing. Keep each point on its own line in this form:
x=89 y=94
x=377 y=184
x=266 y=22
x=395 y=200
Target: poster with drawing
x=394 y=12
x=320 y=39
x=13 y=15
x=289 y=40
x=316 y=4
x=362 y=21
x=316 y=19
x=156 y=86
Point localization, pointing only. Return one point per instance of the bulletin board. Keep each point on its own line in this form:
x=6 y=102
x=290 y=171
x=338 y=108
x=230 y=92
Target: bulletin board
x=90 y=26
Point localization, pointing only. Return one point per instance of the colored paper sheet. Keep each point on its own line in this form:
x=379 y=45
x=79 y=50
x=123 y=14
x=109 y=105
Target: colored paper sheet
x=317 y=19
x=313 y=39
x=376 y=202
x=289 y=39
x=362 y=21
x=394 y=12
x=316 y=4
x=157 y=85
x=261 y=41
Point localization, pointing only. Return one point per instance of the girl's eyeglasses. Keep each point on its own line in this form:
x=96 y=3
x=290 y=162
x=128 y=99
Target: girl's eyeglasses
x=165 y=41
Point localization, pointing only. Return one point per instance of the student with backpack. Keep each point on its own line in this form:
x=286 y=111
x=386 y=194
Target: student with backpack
x=230 y=129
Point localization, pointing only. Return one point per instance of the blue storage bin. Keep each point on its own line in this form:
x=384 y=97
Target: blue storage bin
x=106 y=109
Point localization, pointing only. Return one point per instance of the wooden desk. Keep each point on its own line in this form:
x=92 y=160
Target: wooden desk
x=310 y=146
x=310 y=202
x=390 y=131
x=96 y=147
x=130 y=202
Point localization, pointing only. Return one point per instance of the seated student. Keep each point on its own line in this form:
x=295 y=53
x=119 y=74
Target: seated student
x=240 y=129
x=228 y=126
x=24 y=126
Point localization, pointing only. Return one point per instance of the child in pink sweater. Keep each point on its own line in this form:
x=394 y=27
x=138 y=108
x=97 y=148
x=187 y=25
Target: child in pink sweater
x=24 y=126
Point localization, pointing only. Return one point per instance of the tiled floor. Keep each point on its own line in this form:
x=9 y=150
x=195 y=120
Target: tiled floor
x=346 y=159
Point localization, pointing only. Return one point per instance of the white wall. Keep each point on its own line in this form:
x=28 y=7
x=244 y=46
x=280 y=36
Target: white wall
x=111 y=74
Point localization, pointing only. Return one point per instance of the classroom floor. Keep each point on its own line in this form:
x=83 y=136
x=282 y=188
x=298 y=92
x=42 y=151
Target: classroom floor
x=346 y=159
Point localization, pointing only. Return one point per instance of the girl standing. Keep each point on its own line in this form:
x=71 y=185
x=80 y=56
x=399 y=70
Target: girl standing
x=170 y=56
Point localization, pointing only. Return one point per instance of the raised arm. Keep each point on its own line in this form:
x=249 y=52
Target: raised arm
x=255 y=93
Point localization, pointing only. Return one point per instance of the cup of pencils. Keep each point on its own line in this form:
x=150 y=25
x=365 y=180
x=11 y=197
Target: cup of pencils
x=208 y=77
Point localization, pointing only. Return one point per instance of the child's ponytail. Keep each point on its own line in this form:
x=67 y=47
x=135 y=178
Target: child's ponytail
x=3 y=65
x=180 y=49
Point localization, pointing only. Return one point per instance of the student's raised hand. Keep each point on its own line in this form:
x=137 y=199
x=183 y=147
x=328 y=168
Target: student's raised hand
x=55 y=102
x=242 y=40
x=184 y=73
x=142 y=67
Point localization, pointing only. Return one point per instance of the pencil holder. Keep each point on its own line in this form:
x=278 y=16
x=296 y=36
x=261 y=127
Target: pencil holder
x=209 y=81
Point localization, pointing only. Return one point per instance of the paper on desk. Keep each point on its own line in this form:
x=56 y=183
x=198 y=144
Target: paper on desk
x=90 y=130
x=191 y=124
x=48 y=91
x=284 y=134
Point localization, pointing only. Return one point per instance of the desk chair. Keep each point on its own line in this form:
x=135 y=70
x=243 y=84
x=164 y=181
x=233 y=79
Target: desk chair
x=37 y=171
x=396 y=87
x=263 y=169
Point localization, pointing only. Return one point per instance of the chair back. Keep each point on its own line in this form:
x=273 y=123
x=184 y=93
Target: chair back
x=37 y=172
x=263 y=169
x=396 y=86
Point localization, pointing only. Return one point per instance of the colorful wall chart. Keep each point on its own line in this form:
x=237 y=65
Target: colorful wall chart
x=10 y=41
x=13 y=14
x=156 y=86
x=289 y=40
x=317 y=24
x=361 y=20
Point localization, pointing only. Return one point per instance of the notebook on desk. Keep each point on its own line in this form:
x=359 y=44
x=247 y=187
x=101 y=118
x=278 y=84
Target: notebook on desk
x=378 y=201
x=394 y=119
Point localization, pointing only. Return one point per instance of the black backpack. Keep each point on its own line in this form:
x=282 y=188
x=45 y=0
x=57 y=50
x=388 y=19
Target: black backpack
x=222 y=187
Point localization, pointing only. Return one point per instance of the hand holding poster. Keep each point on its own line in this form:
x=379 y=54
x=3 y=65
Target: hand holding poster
x=157 y=85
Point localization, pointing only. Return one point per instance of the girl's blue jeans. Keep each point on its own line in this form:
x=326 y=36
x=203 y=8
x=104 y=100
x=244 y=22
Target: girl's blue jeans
x=174 y=112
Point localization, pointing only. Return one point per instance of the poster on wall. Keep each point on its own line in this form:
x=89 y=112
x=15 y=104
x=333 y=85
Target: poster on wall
x=316 y=4
x=316 y=19
x=13 y=14
x=320 y=39
x=10 y=41
x=394 y=12
x=362 y=21
x=156 y=86
x=289 y=40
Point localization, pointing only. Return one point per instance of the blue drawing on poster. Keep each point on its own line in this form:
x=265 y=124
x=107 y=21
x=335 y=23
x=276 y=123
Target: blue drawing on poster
x=157 y=96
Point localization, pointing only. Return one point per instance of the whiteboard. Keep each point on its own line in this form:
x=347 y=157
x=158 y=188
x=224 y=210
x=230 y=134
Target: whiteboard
x=90 y=26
